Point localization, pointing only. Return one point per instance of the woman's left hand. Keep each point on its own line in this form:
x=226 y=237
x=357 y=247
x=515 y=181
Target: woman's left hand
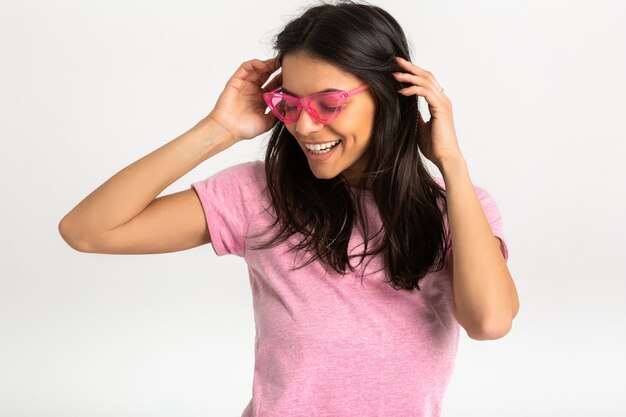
x=437 y=137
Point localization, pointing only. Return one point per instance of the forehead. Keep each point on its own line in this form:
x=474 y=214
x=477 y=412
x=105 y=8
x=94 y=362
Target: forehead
x=304 y=75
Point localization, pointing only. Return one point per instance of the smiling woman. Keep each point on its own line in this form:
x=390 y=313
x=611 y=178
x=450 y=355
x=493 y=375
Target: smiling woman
x=343 y=179
x=349 y=121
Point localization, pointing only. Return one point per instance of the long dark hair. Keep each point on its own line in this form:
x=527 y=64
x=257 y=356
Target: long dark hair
x=363 y=40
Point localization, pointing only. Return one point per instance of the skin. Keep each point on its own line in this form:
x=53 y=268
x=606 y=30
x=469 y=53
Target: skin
x=125 y=214
x=485 y=296
x=304 y=75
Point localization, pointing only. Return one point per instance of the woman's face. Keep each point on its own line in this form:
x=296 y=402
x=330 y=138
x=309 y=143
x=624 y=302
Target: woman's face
x=304 y=75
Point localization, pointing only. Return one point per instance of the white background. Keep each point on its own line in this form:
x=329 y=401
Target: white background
x=86 y=88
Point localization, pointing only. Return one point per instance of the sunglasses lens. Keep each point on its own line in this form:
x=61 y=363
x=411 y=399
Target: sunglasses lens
x=277 y=104
x=326 y=106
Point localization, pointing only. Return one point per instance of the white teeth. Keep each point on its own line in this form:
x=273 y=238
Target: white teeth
x=322 y=146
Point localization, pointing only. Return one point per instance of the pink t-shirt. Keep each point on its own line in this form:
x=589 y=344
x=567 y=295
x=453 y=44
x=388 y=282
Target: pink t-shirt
x=327 y=345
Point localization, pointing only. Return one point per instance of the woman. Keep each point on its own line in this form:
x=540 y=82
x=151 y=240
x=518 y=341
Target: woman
x=342 y=173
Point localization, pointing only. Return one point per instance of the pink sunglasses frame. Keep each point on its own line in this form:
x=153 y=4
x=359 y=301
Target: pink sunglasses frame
x=342 y=97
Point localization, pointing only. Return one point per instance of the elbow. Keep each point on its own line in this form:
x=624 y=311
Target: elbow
x=492 y=331
x=73 y=235
x=497 y=327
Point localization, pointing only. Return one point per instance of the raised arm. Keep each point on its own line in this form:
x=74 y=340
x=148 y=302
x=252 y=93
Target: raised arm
x=124 y=215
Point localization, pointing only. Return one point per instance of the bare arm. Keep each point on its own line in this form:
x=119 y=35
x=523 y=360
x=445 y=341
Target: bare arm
x=108 y=220
x=123 y=215
x=485 y=296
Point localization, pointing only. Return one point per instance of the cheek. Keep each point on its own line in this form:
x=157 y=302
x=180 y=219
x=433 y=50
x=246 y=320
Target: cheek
x=362 y=133
x=363 y=123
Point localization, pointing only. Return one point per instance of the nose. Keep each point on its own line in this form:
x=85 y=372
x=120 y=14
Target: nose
x=306 y=124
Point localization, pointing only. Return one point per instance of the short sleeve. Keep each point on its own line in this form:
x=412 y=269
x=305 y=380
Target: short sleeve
x=492 y=213
x=229 y=199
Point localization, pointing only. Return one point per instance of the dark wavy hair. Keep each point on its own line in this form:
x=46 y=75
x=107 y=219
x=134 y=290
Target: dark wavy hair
x=363 y=40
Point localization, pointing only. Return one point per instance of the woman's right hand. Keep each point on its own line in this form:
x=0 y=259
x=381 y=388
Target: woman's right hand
x=240 y=108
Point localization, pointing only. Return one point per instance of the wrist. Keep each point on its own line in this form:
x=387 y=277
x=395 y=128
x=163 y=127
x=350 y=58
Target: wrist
x=216 y=131
x=451 y=164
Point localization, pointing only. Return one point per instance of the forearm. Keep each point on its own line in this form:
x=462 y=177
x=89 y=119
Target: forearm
x=484 y=293
x=129 y=191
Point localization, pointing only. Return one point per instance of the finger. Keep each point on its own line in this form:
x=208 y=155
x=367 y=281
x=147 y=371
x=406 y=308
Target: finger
x=277 y=79
x=411 y=66
x=271 y=70
x=273 y=62
x=414 y=79
x=428 y=93
x=274 y=83
x=255 y=70
x=414 y=69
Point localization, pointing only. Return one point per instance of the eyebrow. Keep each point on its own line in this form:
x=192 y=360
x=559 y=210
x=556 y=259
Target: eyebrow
x=284 y=90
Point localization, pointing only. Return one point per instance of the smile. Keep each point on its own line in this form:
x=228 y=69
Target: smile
x=318 y=154
x=323 y=147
